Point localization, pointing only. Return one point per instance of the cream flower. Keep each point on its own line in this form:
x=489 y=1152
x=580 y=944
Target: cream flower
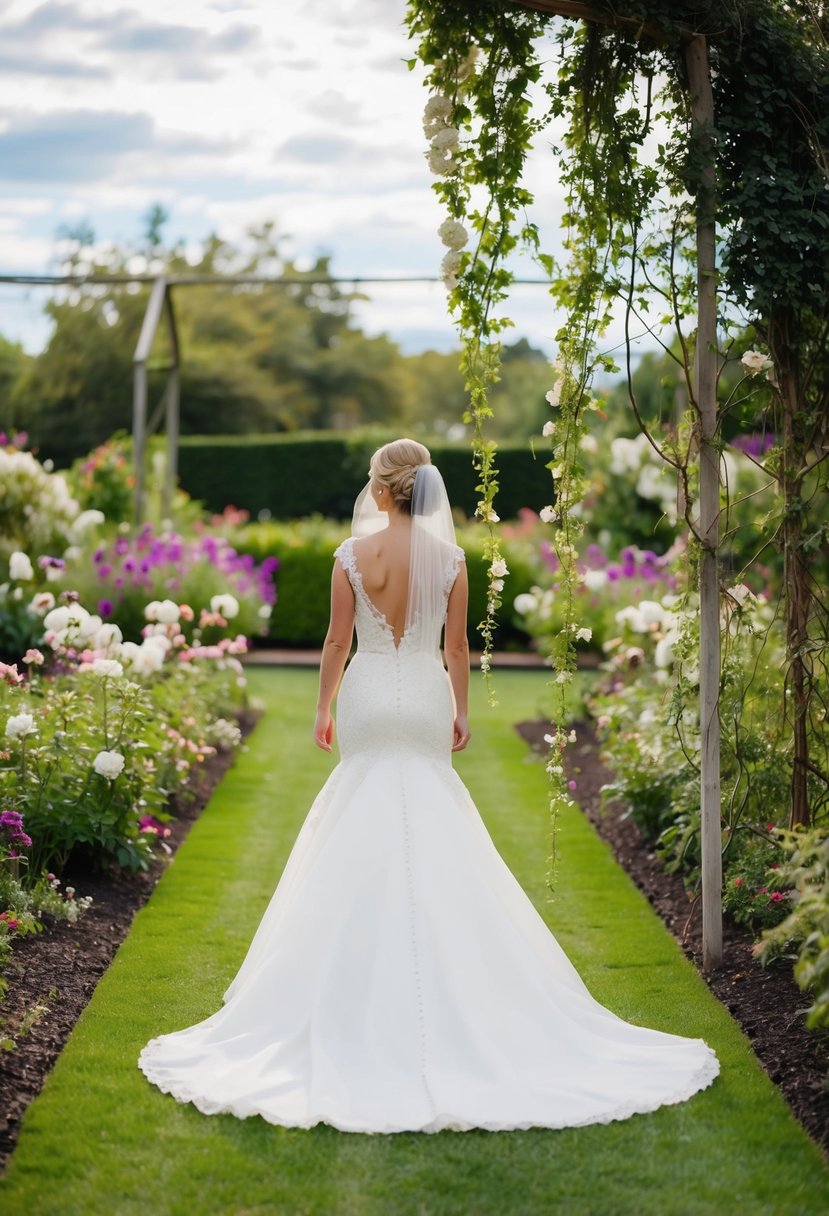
x=755 y=362
x=446 y=139
x=20 y=567
x=108 y=764
x=227 y=605
x=20 y=725
x=548 y=429
x=453 y=234
x=548 y=515
x=499 y=568
x=107 y=668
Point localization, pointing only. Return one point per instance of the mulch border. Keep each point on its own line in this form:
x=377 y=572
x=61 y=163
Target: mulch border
x=765 y=1001
x=59 y=968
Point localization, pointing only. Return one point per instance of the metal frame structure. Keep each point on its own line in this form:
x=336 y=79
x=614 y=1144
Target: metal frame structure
x=159 y=306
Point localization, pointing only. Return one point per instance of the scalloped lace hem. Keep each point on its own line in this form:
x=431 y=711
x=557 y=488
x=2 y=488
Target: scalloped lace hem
x=699 y=1080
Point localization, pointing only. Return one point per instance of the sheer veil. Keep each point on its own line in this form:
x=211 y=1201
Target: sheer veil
x=432 y=548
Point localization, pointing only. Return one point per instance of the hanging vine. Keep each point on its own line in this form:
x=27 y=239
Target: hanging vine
x=627 y=225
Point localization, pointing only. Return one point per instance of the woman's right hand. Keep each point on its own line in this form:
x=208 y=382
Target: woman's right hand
x=324 y=730
x=460 y=734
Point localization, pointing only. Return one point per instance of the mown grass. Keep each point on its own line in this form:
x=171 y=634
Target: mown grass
x=101 y=1140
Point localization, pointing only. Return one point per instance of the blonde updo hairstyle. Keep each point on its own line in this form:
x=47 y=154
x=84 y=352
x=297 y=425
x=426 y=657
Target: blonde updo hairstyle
x=395 y=465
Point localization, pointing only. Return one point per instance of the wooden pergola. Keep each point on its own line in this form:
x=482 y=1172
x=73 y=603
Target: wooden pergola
x=695 y=51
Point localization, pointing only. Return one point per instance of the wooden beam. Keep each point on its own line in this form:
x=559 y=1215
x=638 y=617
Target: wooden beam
x=585 y=12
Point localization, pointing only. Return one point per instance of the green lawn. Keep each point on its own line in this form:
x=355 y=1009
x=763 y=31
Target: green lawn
x=101 y=1140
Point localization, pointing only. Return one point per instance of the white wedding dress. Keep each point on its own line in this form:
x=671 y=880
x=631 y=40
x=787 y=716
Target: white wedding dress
x=400 y=979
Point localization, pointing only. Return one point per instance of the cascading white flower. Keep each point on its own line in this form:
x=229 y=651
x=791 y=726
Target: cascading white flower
x=108 y=764
x=548 y=515
x=20 y=725
x=453 y=234
x=449 y=268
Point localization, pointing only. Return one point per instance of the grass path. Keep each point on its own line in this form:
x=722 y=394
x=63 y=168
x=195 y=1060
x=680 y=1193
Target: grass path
x=101 y=1140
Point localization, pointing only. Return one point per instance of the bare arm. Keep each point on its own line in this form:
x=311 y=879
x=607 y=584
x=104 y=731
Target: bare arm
x=335 y=651
x=456 y=650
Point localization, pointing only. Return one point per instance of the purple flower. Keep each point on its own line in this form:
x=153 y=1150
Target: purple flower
x=104 y=571
x=105 y=608
x=56 y=563
x=99 y=555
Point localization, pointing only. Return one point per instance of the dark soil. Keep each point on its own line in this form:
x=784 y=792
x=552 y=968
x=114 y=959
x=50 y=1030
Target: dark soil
x=765 y=1001
x=53 y=974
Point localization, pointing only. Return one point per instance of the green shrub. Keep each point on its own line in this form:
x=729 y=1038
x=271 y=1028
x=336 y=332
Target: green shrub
x=321 y=472
x=806 y=870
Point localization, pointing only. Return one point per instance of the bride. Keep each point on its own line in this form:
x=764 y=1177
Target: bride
x=400 y=979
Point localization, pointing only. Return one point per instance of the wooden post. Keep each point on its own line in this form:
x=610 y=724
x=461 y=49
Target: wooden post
x=702 y=124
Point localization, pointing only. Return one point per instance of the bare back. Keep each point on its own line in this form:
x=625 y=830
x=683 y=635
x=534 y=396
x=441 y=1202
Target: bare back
x=383 y=563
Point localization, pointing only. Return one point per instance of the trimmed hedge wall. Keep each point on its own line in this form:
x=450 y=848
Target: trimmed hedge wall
x=303 y=580
x=323 y=471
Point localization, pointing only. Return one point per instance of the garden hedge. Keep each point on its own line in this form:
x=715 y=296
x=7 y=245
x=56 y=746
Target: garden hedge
x=288 y=476
x=303 y=580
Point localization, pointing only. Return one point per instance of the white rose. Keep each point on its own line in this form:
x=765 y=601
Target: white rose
x=107 y=668
x=453 y=234
x=584 y=634
x=438 y=107
x=663 y=655
x=151 y=610
x=651 y=612
x=226 y=606
x=741 y=593
x=439 y=163
x=499 y=568
x=630 y=616
x=20 y=725
x=264 y=612
x=594 y=579
x=128 y=651
x=524 y=603
x=108 y=637
x=449 y=268
x=20 y=567
x=167 y=612
x=548 y=429
x=57 y=620
x=86 y=520
x=548 y=515
x=754 y=362
x=446 y=140
x=108 y=764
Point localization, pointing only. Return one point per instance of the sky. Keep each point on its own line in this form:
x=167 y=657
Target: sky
x=230 y=113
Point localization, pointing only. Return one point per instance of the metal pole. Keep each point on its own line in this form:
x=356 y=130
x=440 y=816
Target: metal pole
x=702 y=111
x=139 y=436
x=171 y=472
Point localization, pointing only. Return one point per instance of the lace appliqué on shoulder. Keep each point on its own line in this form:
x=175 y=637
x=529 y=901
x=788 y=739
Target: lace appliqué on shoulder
x=452 y=567
x=345 y=554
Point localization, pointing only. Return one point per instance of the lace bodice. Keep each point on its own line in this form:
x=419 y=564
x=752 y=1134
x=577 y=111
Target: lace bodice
x=374 y=633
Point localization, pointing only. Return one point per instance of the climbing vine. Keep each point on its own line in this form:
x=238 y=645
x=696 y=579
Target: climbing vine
x=629 y=224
